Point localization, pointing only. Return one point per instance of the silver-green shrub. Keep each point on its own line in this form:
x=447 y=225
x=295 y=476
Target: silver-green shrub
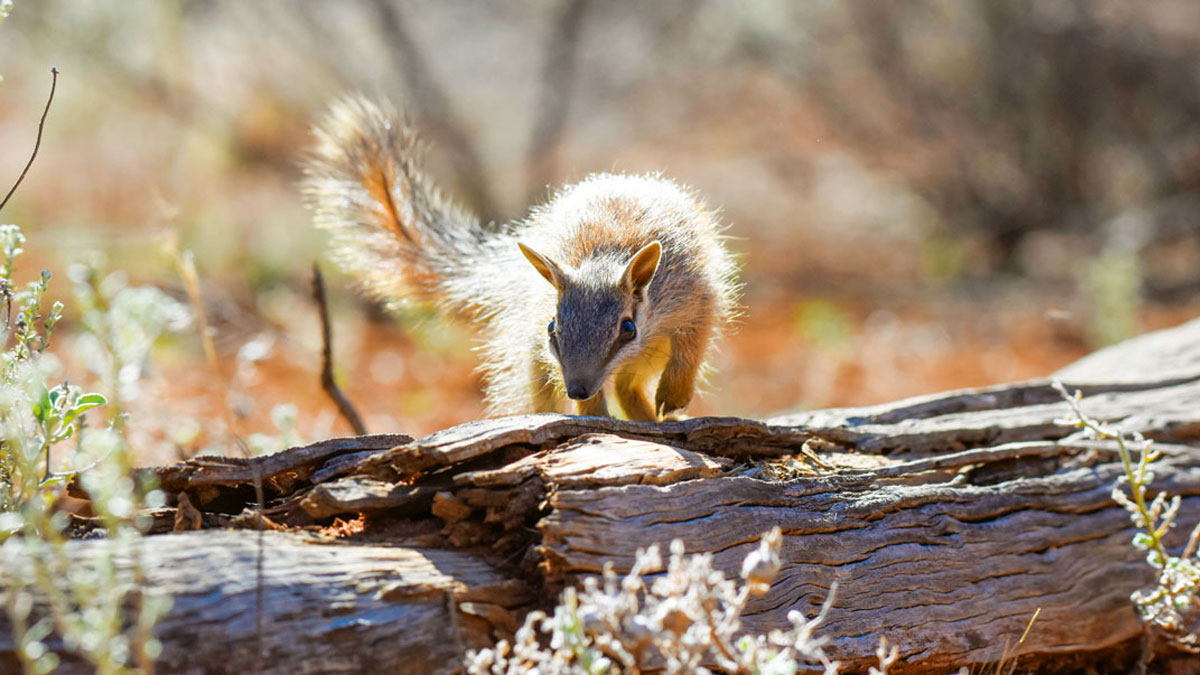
x=1172 y=604
x=686 y=620
x=96 y=608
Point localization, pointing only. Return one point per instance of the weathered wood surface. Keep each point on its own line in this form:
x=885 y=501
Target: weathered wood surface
x=325 y=607
x=946 y=520
x=947 y=570
x=279 y=472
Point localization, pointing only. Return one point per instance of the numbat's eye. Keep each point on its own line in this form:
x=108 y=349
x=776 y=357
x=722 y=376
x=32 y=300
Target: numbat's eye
x=628 y=330
x=550 y=329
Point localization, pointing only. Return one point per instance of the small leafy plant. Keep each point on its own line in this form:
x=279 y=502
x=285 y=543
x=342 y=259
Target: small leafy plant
x=58 y=415
x=93 y=608
x=1172 y=605
x=35 y=416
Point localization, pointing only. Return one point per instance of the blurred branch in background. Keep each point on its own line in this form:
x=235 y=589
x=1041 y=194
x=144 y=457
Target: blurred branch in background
x=1025 y=116
x=559 y=71
x=437 y=117
x=37 y=143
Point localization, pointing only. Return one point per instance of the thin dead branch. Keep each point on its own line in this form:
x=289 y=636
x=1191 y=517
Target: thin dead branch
x=344 y=406
x=191 y=282
x=558 y=75
x=191 y=278
x=38 y=143
x=432 y=104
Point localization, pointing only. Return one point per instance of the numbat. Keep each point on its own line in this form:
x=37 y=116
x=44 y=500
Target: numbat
x=621 y=279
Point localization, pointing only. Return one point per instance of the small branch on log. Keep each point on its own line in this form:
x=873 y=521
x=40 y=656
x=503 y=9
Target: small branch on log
x=38 y=143
x=344 y=406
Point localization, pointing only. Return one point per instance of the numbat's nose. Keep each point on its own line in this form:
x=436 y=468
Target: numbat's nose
x=578 y=391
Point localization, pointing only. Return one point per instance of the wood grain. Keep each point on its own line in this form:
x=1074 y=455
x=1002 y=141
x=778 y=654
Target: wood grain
x=947 y=571
x=326 y=608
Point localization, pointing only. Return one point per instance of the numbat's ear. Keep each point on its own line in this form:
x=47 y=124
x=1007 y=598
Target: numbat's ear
x=545 y=266
x=642 y=267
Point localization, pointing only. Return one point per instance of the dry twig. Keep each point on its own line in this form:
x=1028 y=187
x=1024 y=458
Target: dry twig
x=558 y=74
x=433 y=105
x=38 y=143
x=345 y=407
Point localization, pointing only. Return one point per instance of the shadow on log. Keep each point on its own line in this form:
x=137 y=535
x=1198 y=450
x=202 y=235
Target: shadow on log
x=946 y=521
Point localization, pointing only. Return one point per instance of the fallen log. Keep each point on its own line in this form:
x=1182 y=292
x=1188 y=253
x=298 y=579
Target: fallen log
x=947 y=521
x=273 y=602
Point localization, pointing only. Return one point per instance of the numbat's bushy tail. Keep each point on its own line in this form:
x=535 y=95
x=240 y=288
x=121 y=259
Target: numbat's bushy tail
x=620 y=279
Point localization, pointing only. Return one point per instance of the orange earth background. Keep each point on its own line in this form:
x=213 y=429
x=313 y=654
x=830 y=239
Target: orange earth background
x=923 y=196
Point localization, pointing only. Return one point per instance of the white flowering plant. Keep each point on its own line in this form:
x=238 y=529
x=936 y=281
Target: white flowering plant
x=55 y=601
x=687 y=620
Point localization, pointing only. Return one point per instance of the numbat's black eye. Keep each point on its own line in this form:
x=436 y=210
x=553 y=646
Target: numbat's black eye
x=550 y=329
x=628 y=330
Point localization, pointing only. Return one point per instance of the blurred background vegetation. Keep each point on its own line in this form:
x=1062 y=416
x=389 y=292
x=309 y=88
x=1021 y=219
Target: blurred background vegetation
x=925 y=195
